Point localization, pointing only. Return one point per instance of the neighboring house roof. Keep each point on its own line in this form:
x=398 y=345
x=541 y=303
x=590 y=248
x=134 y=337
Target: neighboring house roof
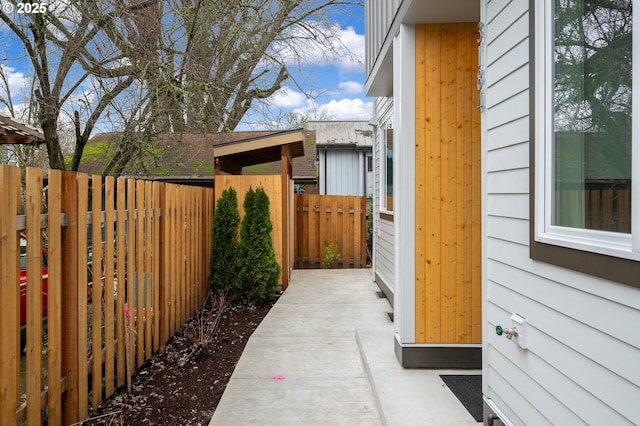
x=342 y=134
x=13 y=131
x=186 y=156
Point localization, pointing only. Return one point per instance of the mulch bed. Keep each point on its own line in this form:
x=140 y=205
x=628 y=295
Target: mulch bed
x=184 y=385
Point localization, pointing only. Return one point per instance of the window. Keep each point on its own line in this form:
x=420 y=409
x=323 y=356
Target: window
x=387 y=169
x=585 y=129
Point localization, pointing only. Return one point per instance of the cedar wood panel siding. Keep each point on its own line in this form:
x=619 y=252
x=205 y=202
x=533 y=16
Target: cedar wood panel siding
x=582 y=364
x=448 y=279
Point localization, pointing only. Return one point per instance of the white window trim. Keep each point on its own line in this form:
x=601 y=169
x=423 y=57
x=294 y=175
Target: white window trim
x=383 y=169
x=608 y=243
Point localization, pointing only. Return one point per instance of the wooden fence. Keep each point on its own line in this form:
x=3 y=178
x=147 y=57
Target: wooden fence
x=602 y=206
x=150 y=273
x=321 y=220
x=272 y=185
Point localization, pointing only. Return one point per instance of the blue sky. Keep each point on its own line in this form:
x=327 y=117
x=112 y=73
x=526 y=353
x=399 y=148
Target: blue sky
x=324 y=85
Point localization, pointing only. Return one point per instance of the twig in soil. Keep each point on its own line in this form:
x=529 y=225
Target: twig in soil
x=204 y=329
x=112 y=414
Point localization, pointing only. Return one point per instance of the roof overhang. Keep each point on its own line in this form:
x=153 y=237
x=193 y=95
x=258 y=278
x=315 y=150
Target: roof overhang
x=15 y=132
x=411 y=12
x=233 y=156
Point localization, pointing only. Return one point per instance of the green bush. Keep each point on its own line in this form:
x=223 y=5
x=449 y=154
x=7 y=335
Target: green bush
x=225 y=248
x=260 y=270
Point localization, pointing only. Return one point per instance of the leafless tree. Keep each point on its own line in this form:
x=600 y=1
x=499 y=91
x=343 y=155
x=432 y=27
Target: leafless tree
x=218 y=57
x=192 y=65
x=73 y=42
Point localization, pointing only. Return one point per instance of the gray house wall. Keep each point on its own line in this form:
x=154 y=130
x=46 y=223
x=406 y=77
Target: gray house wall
x=383 y=225
x=343 y=149
x=581 y=364
x=577 y=360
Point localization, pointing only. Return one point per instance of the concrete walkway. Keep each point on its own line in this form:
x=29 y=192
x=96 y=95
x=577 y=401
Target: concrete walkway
x=324 y=356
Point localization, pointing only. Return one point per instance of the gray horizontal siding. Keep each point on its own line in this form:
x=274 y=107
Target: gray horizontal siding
x=384 y=230
x=385 y=254
x=582 y=365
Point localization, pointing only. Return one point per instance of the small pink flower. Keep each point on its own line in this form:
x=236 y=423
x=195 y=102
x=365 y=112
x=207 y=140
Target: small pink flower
x=126 y=311
x=279 y=377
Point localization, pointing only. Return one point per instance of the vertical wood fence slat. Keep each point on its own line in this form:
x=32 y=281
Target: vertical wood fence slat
x=322 y=240
x=168 y=248
x=70 y=343
x=193 y=245
x=139 y=276
x=624 y=210
x=121 y=262
x=178 y=273
x=149 y=308
x=342 y=218
x=162 y=259
x=173 y=280
x=173 y=261
x=187 y=270
x=322 y=220
x=109 y=320
x=195 y=249
x=9 y=294
x=81 y=300
x=131 y=267
x=96 y=291
x=185 y=254
x=157 y=278
x=54 y=299
x=33 y=207
x=182 y=302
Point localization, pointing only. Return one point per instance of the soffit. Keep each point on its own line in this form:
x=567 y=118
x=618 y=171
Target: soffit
x=260 y=150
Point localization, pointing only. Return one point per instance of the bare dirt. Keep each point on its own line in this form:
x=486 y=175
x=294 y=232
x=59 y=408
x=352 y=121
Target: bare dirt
x=183 y=385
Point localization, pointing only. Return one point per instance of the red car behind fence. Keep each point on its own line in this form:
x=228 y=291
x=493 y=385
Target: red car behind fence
x=23 y=286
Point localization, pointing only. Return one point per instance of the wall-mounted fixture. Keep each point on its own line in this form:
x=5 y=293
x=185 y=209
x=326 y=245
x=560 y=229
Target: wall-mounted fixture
x=516 y=332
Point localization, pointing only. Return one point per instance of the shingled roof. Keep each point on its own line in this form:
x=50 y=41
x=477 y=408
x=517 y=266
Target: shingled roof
x=189 y=155
x=13 y=131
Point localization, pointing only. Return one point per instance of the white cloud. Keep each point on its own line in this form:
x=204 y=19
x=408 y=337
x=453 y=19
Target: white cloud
x=287 y=98
x=350 y=87
x=16 y=80
x=355 y=45
x=342 y=109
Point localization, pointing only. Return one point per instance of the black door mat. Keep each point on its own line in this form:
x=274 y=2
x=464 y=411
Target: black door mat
x=468 y=390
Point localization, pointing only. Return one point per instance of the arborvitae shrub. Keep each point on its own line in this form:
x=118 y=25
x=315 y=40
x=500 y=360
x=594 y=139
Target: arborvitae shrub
x=225 y=248
x=260 y=270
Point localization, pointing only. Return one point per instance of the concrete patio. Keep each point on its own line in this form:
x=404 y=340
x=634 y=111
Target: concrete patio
x=324 y=356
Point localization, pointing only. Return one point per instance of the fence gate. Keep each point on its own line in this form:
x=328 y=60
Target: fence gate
x=322 y=220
